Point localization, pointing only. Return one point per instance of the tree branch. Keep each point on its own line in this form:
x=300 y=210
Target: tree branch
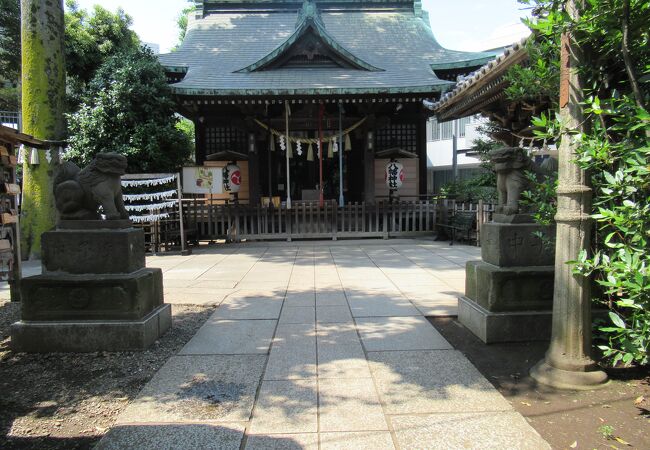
x=629 y=68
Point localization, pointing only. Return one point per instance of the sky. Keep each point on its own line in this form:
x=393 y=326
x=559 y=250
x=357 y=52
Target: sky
x=469 y=25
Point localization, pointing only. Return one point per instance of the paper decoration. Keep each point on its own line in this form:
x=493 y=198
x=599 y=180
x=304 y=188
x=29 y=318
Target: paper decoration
x=318 y=149
x=149 y=218
x=33 y=158
x=20 y=157
x=335 y=145
x=394 y=175
x=48 y=156
x=232 y=178
x=310 y=152
x=283 y=144
x=299 y=148
x=149 y=182
x=310 y=140
x=348 y=143
x=151 y=207
x=152 y=196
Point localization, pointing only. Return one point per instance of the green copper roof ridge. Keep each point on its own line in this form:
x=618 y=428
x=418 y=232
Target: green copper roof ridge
x=306 y=22
x=440 y=87
x=476 y=61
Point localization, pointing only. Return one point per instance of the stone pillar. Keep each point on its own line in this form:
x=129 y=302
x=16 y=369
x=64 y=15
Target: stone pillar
x=200 y=149
x=43 y=97
x=369 y=162
x=422 y=153
x=568 y=363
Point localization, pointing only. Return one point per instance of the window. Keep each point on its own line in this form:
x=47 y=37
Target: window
x=219 y=139
x=445 y=130
x=403 y=136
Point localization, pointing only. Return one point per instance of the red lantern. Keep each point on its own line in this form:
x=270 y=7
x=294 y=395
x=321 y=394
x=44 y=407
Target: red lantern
x=394 y=175
x=232 y=178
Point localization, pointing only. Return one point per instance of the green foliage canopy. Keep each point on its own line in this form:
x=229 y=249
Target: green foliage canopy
x=127 y=108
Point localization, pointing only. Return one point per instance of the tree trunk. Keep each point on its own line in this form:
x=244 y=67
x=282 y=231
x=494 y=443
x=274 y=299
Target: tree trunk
x=568 y=362
x=43 y=94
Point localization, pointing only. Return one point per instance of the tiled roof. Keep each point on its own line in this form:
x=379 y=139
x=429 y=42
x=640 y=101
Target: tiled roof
x=399 y=43
x=484 y=85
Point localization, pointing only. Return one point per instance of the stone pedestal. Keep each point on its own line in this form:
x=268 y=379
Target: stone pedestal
x=95 y=293
x=509 y=295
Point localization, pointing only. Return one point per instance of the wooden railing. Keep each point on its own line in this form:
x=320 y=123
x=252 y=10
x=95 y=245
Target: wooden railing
x=307 y=220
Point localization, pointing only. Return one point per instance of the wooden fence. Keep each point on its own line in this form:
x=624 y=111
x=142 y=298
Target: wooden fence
x=205 y=221
x=306 y=220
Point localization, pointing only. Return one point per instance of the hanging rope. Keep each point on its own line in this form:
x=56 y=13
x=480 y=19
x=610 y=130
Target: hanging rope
x=307 y=140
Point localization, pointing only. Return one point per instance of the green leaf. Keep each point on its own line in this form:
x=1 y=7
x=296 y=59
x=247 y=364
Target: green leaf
x=616 y=319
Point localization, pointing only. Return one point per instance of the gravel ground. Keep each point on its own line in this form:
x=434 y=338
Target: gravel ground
x=68 y=401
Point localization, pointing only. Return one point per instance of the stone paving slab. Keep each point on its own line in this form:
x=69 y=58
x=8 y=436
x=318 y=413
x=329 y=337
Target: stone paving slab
x=417 y=382
x=352 y=405
x=304 y=441
x=293 y=355
x=231 y=337
x=199 y=388
x=262 y=369
x=333 y=314
x=173 y=437
x=286 y=407
x=399 y=333
x=303 y=298
x=249 y=308
x=485 y=431
x=340 y=354
x=365 y=440
x=298 y=314
x=381 y=307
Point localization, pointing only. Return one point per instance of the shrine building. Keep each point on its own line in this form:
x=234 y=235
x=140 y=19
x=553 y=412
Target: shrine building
x=354 y=75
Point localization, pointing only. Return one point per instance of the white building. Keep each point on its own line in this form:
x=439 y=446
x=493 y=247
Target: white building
x=440 y=155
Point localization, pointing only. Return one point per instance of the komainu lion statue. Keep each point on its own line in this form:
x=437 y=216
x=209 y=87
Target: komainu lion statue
x=511 y=165
x=79 y=193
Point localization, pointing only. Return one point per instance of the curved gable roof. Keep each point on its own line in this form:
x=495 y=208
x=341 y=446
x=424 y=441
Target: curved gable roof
x=396 y=49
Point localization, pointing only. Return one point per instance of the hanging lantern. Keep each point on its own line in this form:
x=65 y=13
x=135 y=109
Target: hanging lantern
x=232 y=178
x=348 y=143
x=394 y=175
x=310 y=152
x=33 y=159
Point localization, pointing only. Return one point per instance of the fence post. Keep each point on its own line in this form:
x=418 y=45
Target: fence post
x=479 y=222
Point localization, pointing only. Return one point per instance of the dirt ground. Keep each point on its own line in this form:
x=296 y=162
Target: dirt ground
x=68 y=401
x=617 y=416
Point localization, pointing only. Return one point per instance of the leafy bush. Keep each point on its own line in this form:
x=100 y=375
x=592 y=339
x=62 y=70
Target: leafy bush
x=614 y=150
x=128 y=109
x=617 y=156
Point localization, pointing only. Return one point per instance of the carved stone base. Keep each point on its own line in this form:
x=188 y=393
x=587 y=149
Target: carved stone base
x=503 y=289
x=90 y=336
x=508 y=245
x=588 y=380
x=91 y=297
x=491 y=327
x=78 y=251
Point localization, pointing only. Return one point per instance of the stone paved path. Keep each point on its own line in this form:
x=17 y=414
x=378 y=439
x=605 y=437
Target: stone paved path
x=319 y=346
